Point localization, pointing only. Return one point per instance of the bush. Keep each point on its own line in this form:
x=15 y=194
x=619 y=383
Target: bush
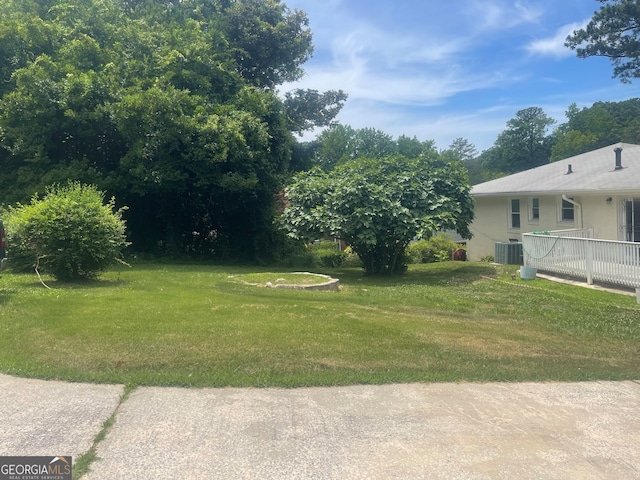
x=327 y=253
x=436 y=249
x=351 y=259
x=323 y=253
x=69 y=234
x=293 y=254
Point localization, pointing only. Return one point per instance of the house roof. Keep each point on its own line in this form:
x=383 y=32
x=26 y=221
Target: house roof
x=592 y=172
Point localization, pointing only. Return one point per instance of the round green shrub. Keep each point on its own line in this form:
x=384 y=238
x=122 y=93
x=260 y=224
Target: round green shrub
x=437 y=249
x=70 y=233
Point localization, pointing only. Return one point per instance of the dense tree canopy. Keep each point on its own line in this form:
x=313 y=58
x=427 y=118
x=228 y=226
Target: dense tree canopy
x=613 y=32
x=602 y=124
x=269 y=43
x=379 y=205
x=309 y=108
x=524 y=144
x=170 y=106
x=342 y=143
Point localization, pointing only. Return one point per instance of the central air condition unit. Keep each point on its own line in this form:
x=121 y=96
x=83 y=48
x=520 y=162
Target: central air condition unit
x=509 y=253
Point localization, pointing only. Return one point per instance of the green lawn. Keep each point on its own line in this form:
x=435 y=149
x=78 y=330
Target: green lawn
x=194 y=325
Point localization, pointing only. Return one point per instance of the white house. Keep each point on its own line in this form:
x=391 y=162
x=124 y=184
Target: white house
x=598 y=190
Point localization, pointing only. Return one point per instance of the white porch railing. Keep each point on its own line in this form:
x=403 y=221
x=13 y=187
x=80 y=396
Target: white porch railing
x=565 y=253
x=572 y=233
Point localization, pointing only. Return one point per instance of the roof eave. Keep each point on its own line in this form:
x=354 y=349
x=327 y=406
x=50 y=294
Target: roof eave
x=619 y=191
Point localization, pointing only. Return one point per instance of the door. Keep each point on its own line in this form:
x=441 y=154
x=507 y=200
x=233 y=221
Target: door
x=631 y=225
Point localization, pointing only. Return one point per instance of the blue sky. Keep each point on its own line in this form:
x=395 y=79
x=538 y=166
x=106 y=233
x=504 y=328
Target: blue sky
x=439 y=70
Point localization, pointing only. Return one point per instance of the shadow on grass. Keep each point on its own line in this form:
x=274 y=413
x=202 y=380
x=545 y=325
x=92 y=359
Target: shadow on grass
x=79 y=285
x=91 y=284
x=6 y=294
x=458 y=273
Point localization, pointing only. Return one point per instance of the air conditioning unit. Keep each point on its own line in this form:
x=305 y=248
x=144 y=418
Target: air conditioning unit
x=509 y=253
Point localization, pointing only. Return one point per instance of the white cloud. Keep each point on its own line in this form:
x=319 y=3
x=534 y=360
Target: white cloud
x=527 y=13
x=393 y=49
x=414 y=69
x=415 y=87
x=554 y=46
x=441 y=71
x=498 y=15
x=384 y=70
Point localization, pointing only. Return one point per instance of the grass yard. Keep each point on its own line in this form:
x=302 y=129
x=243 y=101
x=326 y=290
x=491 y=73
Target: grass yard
x=193 y=325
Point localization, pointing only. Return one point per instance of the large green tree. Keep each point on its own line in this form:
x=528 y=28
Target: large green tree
x=602 y=124
x=462 y=149
x=170 y=106
x=614 y=33
x=379 y=205
x=269 y=42
x=524 y=144
x=342 y=143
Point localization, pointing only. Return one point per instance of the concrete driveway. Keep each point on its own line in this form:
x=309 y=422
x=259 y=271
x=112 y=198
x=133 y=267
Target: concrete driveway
x=436 y=431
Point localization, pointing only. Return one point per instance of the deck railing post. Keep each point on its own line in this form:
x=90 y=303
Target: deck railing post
x=525 y=251
x=589 y=261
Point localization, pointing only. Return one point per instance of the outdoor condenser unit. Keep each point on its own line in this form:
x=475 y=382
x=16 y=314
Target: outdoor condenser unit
x=509 y=253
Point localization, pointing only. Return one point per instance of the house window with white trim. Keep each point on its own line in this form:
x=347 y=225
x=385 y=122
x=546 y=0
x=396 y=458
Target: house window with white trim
x=534 y=210
x=514 y=214
x=567 y=211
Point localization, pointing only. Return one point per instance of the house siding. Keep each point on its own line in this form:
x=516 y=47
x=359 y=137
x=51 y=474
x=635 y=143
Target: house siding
x=491 y=223
x=602 y=217
x=589 y=178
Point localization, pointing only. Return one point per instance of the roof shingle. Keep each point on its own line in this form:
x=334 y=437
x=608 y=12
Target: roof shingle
x=593 y=172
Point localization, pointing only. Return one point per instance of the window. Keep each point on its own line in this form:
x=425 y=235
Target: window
x=514 y=214
x=534 y=210
x=567 y=211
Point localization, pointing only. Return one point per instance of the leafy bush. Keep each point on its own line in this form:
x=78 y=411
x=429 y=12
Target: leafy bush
x=436 y=249
x=70 y=233
x=324 y=253
x=351 y=258
x=379 y=205
x=327 y=254
x=292 y=253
